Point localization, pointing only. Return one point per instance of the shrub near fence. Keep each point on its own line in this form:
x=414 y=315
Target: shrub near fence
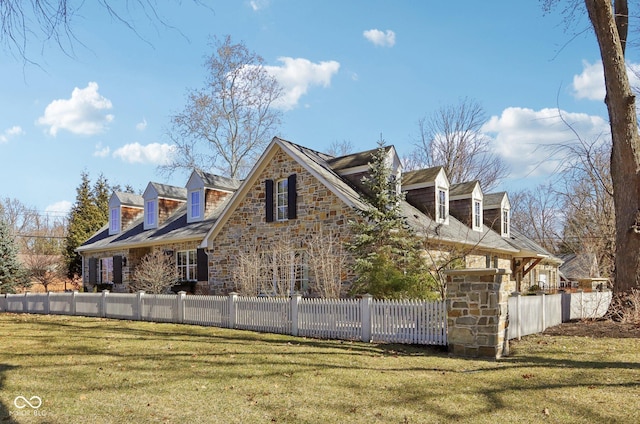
x=366 y=319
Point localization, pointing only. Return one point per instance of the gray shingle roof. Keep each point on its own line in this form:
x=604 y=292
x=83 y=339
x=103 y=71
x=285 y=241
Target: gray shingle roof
x=217 y=181
x=461 y=189
x=527 y=246
x=493 y=200
x=130 y=199
x=170 y=192
x=174 y=229
x=418 y=176
x=353 y=160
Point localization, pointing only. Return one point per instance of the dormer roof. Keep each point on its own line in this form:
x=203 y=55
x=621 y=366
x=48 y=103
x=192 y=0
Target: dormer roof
x=165 y=191
x=423 y=177
x=463 y=190
x=217 y=182
x=127 y=199
x=495 y=200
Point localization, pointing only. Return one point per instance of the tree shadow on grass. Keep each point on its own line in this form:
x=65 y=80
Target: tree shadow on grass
x=6 y=411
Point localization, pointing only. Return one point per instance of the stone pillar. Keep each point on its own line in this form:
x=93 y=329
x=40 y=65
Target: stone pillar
x=477 y=305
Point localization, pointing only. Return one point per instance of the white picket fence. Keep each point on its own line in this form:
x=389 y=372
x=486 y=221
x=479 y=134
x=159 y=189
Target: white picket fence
x=366 y=319
x=534 y=314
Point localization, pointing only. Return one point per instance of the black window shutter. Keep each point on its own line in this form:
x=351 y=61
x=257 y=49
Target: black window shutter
x=292 y=197
x=117 y=269
x=268 y=200
x=202 y=263
x=93 y=270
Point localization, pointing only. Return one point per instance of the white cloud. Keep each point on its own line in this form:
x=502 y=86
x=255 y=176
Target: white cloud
x=10 y=133
x=590 y=83
x=141 y=126
x=258 y=4
x=60 y=208
x=101 y=152
x=297 y=75
x=154 y=153
x=84 y=113
x=525 y=137
x=380 y=38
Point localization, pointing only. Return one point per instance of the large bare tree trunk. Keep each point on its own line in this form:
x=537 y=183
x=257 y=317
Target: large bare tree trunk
x=625 y=152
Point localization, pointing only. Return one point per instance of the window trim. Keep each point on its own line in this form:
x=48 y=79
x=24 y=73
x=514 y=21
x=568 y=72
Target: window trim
x=505 y=222
x=198 y=204
x=477 y=214
x=282 y=195
x=442 y=204
x=104 y=274
x=114 y=221
x=191 y=268
x=151 y=213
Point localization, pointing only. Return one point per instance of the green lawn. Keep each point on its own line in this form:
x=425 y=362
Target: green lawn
x=89 y=370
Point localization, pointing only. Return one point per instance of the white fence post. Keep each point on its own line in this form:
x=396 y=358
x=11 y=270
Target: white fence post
x=581 y=303
x=365 y=314
x=139 y=298
x=295 y=301
x=180 y=299
x=231 y=319
x=103 y=310
x=518 y=315
x=543 y=312
x=47 y=306
x=73 y=302
x=25 y=303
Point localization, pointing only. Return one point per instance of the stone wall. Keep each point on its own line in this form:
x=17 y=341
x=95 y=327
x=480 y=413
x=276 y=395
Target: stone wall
x=477 y=307
x=318 y=209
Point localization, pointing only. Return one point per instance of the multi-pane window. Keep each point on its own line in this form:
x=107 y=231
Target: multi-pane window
x=282 y=203
x=150 y=213
x=477 y=214
x=106 y=270
x=114 y=221
x=442 y=204
x=187 y=265
x=195 y=204
x=505 y=221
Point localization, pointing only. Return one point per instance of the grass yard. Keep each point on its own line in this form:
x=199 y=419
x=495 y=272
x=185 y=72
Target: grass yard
x=88 y=370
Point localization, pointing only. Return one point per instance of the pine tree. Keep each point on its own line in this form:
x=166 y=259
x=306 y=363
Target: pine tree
x=12 y=274
x=387 y=251
x=88 y=214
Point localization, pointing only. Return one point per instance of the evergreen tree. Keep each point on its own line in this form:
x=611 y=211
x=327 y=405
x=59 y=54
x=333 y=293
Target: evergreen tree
x=387 y=251
x=12 y=274
x=88 y=214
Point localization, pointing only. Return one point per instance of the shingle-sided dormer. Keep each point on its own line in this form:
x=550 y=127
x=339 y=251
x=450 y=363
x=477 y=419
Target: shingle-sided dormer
x=205 y=192
x=465 y=203
x=428 y=190
x=160 y=201
x=497 y=212
x=123 y=209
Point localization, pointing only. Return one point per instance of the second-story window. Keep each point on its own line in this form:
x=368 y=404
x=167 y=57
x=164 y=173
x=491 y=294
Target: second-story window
x=150 y=213
x=477 y=214
x=282 y=203
x=442 y=204
x=195 y=204
x=505 y=221
x=114 y=221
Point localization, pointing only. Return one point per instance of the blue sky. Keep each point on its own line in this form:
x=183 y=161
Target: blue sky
x=356 y=69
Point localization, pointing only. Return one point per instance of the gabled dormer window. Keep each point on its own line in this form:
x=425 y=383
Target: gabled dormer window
x=505 y=222
x=150 y=214
x=114 y=221
x=442 y=205
x=195 y=205
x=477 y=215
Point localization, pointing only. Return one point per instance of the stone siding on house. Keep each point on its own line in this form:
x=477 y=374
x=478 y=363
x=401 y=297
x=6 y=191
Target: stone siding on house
x=318 y=208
